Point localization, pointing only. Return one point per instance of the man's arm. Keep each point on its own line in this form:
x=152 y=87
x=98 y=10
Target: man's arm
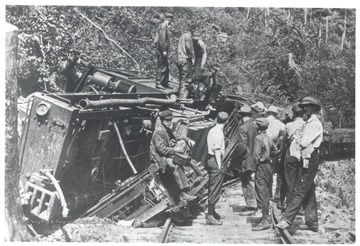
x=218 y=157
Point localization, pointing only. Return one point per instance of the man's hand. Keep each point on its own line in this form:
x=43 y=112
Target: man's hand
x=253 y=175
x=178 y=149
x=164 y=53
x=191 y=142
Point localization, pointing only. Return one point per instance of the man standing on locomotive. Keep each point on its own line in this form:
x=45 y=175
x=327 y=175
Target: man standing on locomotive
x=186 y=59
x=304 y=189
x=215 y=167
x=162 y=53
x=163 y=147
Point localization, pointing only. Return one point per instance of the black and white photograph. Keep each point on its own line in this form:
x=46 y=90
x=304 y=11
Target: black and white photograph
x=170 y=122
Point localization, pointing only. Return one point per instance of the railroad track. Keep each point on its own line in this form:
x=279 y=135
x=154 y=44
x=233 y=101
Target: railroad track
x=284 y=234
x=235 y=228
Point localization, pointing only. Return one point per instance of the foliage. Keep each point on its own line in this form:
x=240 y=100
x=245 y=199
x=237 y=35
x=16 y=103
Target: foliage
x=283 y=53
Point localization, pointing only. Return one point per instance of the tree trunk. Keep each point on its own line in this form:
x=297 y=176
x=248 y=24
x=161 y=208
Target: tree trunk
x=327 y=29
x=248 y=14
x=15 y=226
x=344 y=33
x=305 y=15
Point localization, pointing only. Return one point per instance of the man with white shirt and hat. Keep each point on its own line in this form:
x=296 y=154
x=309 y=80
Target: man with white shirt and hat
x=304 y=189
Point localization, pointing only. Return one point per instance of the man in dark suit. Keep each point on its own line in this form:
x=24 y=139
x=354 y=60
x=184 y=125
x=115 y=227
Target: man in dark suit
x=247 y=134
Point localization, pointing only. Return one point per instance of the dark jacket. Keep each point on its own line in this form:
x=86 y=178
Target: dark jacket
x=264 y=148
x=163 y=38
x=162 y=146
x=247 y=134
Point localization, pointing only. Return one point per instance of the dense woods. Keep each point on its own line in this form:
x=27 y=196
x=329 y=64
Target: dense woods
x=283 y=53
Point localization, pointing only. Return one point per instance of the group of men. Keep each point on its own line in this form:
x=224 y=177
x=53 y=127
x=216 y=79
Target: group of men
x=191 y=56
x=266 y=144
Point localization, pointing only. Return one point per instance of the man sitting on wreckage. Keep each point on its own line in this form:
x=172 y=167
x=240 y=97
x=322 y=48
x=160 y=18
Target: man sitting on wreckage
x=163 y=147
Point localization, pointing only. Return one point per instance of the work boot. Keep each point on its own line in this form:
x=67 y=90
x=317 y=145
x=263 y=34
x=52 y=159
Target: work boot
x=263 y=225
x=159 y=87
x=218 y=216
x=212 y=221
x=314 y=228
x=187 y=197
x=283 y=225
x=168 y=87
x=248 y=211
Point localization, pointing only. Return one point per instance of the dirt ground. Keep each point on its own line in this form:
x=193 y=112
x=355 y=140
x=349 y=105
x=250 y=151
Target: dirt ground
x=336 y=198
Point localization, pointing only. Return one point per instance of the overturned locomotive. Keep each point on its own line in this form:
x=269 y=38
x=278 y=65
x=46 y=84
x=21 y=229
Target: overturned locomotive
x=86 y=153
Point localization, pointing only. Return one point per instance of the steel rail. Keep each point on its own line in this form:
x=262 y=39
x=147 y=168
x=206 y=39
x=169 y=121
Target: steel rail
x=284 y=234
x=165 y=232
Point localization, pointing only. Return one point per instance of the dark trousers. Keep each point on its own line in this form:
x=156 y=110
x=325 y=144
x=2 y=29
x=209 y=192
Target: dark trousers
x=248 y=187
x=291 y=168
x=185 y=73
x=180 y=177
x=262 y=185
x=304 y=193
x=162 y=71
x=280 y=189
x=216 y=179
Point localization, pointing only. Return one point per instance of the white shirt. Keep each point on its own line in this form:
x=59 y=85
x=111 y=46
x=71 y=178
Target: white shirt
x=216 y=139
x=275 y=128
x=294 y=127
x=313 y=132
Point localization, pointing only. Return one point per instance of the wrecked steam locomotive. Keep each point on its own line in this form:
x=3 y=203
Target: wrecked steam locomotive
x=86 y=153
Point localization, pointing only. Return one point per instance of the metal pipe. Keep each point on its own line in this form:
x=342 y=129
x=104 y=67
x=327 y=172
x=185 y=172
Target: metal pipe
x=123 y=147
x=86 y=103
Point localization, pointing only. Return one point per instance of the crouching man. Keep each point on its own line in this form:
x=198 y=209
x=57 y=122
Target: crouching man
x=163 y=147
x=215 y=167
x=264 y=148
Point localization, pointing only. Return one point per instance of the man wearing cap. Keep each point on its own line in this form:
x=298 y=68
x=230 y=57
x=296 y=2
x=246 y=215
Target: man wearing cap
x=215 y=167
x=304 y=189
x=200 y=53
x=162 y=52
x=246 y=135
x=162 y=149
x=292 y=156
x=264 y=148
x=276 y=131
x=186 y=59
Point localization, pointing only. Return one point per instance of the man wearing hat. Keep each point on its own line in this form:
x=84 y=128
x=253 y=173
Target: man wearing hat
x=246 y=135
x=258 y=109
x=186 y=59
x=263 y=149
x=304 y=189
x=162 y=53
x=200 y=53
x=276 y=131
x=292 y=156
x=215 y=167
x=162 y=149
